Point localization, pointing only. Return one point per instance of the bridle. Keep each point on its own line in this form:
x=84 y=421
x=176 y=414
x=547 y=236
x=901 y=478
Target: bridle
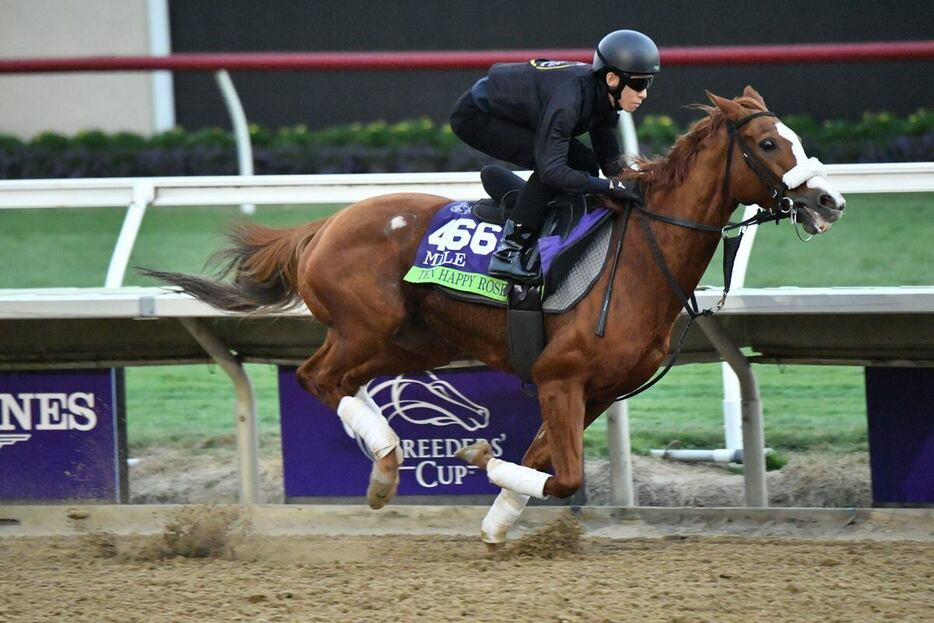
x=782 y=207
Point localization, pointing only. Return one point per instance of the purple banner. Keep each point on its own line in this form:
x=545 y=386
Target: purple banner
x=58 y=436
x=434 y=414
x=900 y=408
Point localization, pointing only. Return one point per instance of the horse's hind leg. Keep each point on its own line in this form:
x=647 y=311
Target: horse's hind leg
x=336 y=374
x=356 y=337
x=322 y=376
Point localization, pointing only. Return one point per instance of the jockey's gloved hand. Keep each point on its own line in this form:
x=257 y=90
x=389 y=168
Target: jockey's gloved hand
x=624 y=190
x=627 y=190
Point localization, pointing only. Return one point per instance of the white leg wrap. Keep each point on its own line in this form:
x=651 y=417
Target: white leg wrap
x=517 y=478
x=365 y=397
x=502 y=516
x=368 y=425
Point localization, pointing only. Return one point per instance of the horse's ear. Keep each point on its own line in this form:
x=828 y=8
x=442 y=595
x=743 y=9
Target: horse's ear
x=752 y=93
x=732 y=110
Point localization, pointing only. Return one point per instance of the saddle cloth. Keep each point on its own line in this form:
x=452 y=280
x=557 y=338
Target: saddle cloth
x=455 y=253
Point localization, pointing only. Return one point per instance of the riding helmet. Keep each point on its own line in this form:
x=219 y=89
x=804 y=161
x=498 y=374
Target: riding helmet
x=626 y=52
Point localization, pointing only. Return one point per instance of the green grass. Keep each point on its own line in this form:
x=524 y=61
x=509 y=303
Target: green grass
x=192 y=405
x=72 y=247
x=882 y=240
x=805 y=408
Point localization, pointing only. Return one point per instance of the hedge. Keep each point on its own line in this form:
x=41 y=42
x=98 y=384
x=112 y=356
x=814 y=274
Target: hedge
x=409 y=146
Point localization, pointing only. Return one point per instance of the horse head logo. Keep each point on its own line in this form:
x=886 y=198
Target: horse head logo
x=444 y=404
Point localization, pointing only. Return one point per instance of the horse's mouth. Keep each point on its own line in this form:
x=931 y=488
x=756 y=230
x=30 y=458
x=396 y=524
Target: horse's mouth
x=812 y=222
x=816 y=216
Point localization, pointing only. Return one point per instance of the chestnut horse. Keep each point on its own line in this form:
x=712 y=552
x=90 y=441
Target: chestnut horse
x=348 y=270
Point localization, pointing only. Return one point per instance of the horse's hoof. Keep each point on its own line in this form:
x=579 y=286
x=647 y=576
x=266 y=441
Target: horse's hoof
x=477 y=453
x=379 y=494
x=384 y=482
x=492 y=548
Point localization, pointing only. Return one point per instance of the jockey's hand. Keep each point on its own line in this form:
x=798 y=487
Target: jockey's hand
x=624 y=190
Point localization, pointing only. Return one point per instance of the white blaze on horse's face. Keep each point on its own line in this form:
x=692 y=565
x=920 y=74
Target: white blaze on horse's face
x=397 y=222
x=818 y=203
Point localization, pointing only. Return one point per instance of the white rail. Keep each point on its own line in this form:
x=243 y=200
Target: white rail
x=299 y=189
x=139 y=193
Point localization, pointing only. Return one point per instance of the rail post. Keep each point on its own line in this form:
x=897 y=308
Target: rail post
x=144 y=192
x=753 y=430
x=244 y=409
x=240 y=127
x=617 y=429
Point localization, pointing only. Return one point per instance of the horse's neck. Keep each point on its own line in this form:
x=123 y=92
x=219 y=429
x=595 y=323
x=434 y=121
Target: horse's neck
x=698 y=198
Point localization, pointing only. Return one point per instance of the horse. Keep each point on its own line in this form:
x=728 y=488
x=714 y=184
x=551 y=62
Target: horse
x=348 y=270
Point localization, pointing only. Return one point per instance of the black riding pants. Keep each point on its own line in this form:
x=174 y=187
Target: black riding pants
x=511 y=142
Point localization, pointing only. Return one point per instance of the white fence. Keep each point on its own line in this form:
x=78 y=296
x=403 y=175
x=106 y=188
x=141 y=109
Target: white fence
x=136 y=194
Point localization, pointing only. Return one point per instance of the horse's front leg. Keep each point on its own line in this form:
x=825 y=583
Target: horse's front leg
x=563 y=415
x=538 y=456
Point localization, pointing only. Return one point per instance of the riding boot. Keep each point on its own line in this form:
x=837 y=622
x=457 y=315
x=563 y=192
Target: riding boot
x=515 y=257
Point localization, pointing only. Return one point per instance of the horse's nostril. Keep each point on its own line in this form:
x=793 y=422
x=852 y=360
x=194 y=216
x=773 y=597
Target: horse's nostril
x=827 y=201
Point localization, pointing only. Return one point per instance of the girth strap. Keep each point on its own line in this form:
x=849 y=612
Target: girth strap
x=525 y=327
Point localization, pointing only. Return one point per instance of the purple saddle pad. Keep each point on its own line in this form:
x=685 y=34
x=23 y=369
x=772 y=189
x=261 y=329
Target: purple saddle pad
x=455 y=252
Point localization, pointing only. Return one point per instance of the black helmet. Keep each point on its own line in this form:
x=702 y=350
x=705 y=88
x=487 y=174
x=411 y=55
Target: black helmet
x=626 y=52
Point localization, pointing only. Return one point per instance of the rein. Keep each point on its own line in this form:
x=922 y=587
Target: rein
x=782 y=208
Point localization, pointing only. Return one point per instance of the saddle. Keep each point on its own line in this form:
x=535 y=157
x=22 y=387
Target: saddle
x=565 y=212
x=503 y=186
x=453 y=256
x=525 y=313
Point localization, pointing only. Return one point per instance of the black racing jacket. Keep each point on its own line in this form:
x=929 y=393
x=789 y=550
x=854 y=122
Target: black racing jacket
x=559 y=100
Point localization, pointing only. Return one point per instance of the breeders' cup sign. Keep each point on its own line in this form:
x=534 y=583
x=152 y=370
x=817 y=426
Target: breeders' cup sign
x=58 y=436
x=434 y=414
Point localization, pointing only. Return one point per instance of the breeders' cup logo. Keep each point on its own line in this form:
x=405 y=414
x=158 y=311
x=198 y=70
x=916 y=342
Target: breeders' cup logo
x=453 y=407
x=433 y=403
x=44 y=412
x=461 y=207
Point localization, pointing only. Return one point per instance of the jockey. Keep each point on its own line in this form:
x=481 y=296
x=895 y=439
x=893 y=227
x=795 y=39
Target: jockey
x=529 y=113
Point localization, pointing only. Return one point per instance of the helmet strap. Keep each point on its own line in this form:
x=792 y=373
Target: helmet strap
x=617 y=92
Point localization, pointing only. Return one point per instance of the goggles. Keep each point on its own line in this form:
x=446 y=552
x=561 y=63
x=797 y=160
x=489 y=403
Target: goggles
x=638 y=84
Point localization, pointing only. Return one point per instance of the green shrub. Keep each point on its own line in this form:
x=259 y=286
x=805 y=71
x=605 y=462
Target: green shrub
x=413 y=145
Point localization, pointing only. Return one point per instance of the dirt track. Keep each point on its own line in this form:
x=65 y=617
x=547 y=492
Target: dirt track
x=205 y=567
x=558 y=576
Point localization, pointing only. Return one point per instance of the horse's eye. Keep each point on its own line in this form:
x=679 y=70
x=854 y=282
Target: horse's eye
x=767 y=144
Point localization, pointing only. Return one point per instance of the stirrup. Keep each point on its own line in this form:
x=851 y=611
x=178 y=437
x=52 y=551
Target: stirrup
x=514 y=268
x=516 y=254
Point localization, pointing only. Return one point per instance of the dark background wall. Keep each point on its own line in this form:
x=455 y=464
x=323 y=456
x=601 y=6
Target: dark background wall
x=824 y=90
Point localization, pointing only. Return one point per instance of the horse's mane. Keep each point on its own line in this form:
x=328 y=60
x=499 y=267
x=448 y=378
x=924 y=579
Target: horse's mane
x=666 y=172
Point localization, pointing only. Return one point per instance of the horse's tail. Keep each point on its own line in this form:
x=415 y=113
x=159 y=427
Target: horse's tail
x=264 y=265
